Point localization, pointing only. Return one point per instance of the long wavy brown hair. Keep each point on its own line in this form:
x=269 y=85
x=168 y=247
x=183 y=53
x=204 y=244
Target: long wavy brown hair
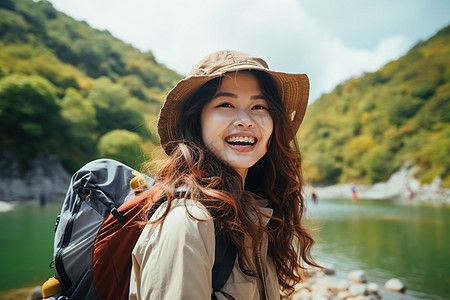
x=275 y=178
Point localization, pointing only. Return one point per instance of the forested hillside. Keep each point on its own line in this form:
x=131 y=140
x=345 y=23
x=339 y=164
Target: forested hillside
x=368 y=127
x=71 y=90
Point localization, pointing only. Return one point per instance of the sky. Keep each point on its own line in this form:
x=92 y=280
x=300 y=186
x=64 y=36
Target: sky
x=329 y=40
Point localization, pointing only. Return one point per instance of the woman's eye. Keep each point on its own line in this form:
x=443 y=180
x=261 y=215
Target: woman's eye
x=225 y=104
x=259 y=106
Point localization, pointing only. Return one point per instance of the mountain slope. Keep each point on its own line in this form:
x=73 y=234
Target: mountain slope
x=368 y=127
x=74 y=91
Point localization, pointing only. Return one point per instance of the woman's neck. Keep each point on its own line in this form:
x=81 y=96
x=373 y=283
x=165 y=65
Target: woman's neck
x=243 y=174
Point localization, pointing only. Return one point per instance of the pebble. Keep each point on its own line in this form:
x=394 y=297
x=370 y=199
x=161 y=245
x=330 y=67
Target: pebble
x=328 y=269
x=395 y=285
x=372 y=288
x=358 y=276
x=357 y=289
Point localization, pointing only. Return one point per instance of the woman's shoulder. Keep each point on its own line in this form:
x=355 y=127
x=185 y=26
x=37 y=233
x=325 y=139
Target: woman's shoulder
x=184 y=209
x=186 y=218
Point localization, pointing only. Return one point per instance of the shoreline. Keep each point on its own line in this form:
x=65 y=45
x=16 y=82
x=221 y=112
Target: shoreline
x=401 y=185
x=324 y=284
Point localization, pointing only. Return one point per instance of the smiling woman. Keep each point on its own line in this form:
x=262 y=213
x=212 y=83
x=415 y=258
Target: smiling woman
x=233 y=168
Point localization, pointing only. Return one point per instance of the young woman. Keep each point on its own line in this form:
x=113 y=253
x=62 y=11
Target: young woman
x=233 y=165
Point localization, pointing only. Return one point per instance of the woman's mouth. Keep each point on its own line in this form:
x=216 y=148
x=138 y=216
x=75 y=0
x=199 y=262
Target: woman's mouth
x=241 y=141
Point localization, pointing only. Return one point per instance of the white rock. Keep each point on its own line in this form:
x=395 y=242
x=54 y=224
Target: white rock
x=372 y=288
x=333 y=288
x=358 y=276
x=325 y=281
x=302 y=294
x=302 y=285
x=343 y=295
x=319 y=288
x=343 y=285
x=320 y=297
x=310 y=272
x=357 y=289
x=395 y=285
x=5 y=206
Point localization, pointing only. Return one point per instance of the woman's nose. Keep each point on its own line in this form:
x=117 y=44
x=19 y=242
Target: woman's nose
x=243 y=120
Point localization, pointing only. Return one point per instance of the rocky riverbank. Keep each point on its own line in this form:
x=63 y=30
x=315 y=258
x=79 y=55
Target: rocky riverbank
x=45 y=177
x=399 y=186
x=324 y=285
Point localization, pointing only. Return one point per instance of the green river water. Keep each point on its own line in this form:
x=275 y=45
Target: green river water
x=382 y=237
x=386 y=239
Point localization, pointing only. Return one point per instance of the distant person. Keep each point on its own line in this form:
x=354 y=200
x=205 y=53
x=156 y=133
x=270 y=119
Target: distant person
x=233 y=165
x=410 y=194
x=314 y=194
x=354 y=193
x=42 y=199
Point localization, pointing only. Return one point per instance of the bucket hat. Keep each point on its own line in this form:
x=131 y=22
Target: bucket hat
x=293 y=90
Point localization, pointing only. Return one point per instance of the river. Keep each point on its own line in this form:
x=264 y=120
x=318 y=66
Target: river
x=382 y=237
x=386 y=239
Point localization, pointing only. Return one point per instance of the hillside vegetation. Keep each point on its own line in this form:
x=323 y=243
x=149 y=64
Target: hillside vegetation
x=368 y=127
x=71 y=90
x=80 y=93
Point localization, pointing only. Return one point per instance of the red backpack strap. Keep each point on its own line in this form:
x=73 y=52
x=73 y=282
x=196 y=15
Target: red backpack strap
x=111 y=257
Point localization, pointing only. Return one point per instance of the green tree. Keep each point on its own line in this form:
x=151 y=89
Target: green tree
x=28 y=113
x=80 y=114
x=377 y=164
x=116 y=108
x=13 y=27
x=124 y=146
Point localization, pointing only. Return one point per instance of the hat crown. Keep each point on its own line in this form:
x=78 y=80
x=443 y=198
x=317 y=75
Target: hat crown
x=224 y=61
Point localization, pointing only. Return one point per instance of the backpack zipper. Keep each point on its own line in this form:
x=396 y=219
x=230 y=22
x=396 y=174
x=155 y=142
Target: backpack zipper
x=59 y=265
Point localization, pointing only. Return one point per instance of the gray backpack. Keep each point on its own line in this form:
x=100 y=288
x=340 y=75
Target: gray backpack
x=97 y=230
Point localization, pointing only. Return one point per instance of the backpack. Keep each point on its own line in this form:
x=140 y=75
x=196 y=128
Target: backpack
x=97 y=230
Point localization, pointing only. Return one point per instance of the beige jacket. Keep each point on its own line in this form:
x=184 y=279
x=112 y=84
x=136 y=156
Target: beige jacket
x=174 y=260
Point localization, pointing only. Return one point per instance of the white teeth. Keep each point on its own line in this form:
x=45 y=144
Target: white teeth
x=241 y=139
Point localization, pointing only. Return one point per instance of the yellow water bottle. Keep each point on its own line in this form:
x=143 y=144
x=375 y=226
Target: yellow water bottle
x=52 y=290
x=138 y=183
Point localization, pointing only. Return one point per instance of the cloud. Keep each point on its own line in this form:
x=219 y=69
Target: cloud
x=340 y=62
x=180 y=33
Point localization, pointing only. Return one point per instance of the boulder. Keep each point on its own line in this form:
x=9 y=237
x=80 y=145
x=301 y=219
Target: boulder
x=372 y=288
x=343 y=285
x=357 y=289
x=395 y=285
x=358 y=276
x=343 y=295
x=301 y=294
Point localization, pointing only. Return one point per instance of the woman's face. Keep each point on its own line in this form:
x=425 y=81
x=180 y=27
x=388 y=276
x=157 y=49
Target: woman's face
x=236 y=123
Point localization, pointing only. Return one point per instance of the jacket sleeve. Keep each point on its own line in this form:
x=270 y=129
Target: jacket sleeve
x=174 y=260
